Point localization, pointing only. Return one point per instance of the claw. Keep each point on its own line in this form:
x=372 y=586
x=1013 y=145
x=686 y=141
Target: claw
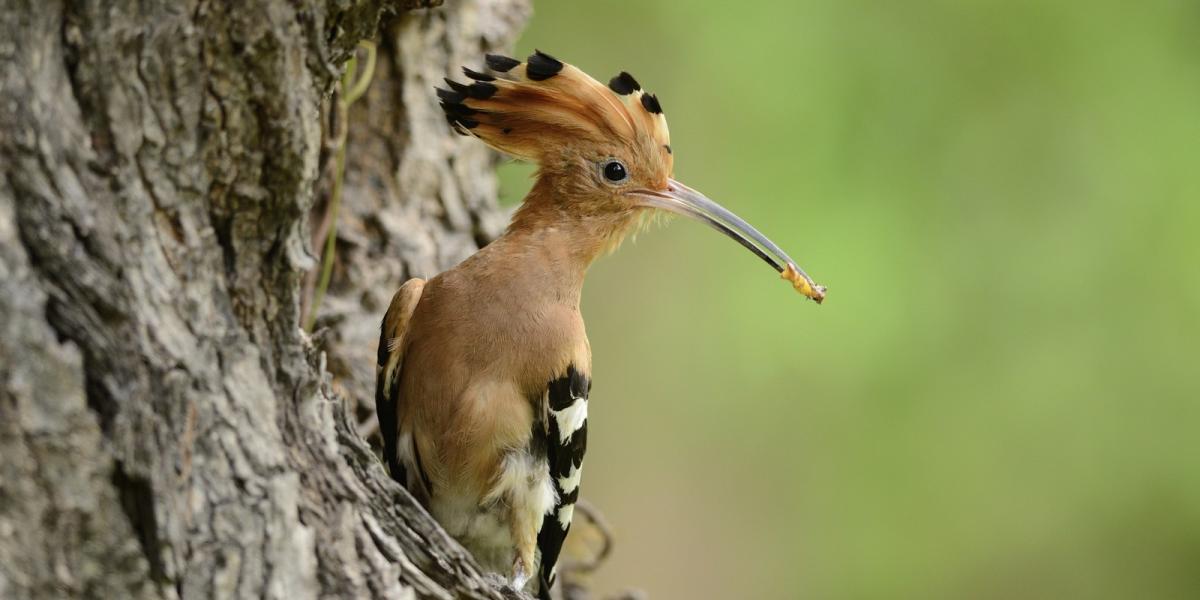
x=521 y=574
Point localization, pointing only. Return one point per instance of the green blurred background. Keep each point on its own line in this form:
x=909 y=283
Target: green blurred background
x=1000 y=397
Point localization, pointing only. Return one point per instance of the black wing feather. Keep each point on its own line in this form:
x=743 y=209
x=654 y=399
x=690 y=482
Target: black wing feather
x=404 y=467
x=385 y=411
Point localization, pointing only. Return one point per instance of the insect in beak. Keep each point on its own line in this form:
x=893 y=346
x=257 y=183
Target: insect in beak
x=683 y=200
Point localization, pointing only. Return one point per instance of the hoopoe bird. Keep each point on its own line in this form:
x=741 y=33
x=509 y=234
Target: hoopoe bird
x=484 y=370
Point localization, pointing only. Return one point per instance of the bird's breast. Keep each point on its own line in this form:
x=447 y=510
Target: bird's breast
x=479 y=355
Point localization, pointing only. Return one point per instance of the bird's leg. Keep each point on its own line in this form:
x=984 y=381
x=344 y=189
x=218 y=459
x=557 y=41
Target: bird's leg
x=522 y=494
x=524 y=535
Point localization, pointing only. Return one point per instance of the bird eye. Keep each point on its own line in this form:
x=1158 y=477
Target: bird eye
x=615 y=172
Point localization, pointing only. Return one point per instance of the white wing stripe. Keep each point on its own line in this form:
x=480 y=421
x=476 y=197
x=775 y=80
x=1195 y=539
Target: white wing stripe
x=565 y=514
x=570 y=419
x=571 y=481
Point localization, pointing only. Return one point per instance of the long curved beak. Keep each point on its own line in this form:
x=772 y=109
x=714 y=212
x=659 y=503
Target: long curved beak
x=683 y=200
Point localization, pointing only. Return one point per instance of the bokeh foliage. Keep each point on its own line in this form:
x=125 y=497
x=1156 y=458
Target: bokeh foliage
x=1000 y=397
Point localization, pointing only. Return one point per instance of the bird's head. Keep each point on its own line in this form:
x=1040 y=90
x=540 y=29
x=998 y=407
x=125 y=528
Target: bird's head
x=603 y=151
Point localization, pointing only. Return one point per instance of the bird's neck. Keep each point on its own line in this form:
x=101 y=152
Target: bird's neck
x=552 y=243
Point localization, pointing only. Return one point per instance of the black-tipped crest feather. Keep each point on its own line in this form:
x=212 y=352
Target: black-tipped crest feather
x=650 y=103
x=479 y=90
x=458 y=110
x=501 y=63
x=541 y=66
x=624 y=84
x=476 y=75
x=450 y=96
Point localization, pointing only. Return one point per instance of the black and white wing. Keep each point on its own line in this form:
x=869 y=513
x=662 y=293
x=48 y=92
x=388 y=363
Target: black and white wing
x=566 y=442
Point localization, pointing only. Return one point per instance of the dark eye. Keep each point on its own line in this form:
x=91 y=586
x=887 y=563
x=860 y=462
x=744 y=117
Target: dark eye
x=615 y=172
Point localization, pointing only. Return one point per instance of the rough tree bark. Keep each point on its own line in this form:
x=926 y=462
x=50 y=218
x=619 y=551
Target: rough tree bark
x=166 y=428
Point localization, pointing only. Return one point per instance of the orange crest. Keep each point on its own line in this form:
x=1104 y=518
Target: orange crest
x=536 y=108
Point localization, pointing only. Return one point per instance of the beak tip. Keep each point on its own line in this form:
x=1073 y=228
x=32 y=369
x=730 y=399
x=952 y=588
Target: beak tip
x=803 y=284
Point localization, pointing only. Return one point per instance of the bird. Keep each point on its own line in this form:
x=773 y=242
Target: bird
x=484 y=370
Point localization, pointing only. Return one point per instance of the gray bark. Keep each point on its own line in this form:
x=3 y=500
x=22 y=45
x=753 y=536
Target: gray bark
x=166 y=428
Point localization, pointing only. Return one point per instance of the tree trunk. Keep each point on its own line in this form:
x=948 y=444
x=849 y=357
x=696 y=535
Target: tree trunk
x=166 y=428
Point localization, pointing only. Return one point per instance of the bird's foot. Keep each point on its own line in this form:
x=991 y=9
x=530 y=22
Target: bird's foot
x=521 y=573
